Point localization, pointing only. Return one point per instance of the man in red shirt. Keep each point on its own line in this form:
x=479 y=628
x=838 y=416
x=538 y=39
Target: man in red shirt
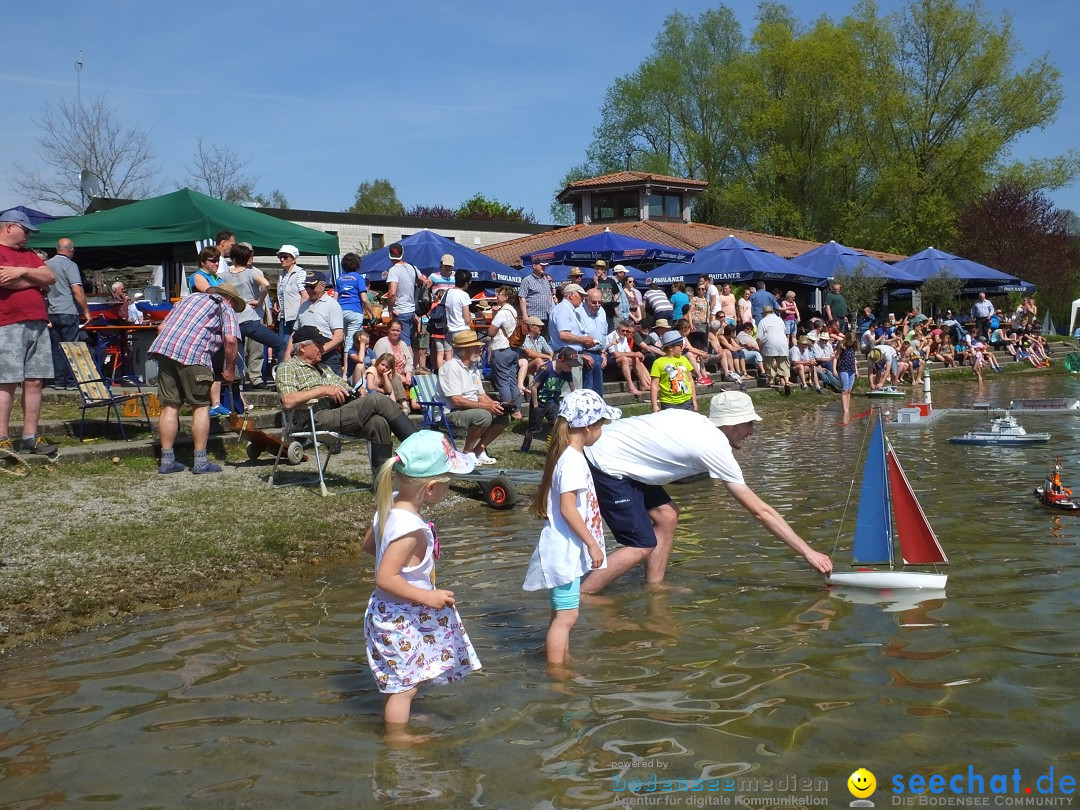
x=25 y=349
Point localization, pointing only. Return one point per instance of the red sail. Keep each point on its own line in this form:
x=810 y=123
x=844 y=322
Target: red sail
x=918 y=543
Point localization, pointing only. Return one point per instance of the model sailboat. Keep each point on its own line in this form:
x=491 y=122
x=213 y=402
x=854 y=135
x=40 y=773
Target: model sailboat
x=885 y=495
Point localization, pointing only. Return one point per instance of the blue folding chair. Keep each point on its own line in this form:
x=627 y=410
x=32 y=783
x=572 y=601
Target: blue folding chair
x=434 y=407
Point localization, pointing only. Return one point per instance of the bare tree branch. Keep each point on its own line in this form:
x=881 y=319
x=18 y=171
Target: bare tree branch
x=75 y=137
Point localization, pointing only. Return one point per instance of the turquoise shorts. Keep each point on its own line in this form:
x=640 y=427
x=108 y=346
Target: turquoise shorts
x=566 y=597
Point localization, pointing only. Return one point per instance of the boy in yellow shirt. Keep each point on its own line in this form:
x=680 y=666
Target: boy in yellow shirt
x=673 y=377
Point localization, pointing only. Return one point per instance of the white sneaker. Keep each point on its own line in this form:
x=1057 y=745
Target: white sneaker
x=484 y=458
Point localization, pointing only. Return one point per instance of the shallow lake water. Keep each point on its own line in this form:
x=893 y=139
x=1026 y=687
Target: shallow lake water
x=748 y=671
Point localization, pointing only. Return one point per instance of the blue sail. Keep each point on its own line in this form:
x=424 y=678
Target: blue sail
x=873 y=526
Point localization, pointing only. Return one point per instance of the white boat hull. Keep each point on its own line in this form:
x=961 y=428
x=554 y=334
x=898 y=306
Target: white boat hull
x=888 y=579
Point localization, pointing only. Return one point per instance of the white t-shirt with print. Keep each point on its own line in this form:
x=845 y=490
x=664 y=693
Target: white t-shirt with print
x=662 y=447
x=561 y=556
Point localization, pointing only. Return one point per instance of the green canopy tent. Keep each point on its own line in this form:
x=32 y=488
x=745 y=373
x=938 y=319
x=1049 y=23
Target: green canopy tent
x=169 y=230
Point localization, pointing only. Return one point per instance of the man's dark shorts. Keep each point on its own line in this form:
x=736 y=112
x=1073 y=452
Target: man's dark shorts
x=625 y=505
x=178 y=384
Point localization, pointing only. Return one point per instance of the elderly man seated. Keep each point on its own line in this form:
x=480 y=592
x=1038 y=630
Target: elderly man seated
x=471 y=409
x=372 y=416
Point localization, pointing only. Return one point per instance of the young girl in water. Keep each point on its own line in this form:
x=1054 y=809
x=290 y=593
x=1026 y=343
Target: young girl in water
x=572 y=542
x=413 y=631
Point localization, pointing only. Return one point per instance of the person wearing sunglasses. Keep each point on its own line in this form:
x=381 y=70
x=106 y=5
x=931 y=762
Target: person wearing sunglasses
x=206 y=276
x=290 y=290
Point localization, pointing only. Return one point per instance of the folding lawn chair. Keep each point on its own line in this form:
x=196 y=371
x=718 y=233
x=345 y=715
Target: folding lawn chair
x=296 y=437
x=435 y=408
x=95 y=392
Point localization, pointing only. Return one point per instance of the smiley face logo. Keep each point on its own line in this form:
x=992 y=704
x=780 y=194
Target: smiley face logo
x=862 y=783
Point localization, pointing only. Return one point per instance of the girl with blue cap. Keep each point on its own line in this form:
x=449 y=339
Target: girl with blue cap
x=413 y=631
x=572 y=542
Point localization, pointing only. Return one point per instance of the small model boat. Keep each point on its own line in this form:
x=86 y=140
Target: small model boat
x=1052 y=493
x=886 y=495
x=1003 y=430
x=887 y=391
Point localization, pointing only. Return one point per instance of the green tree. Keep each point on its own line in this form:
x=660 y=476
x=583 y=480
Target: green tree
x=479 y=207
x=873 y=130
x=376 y=197
x=940 y=292
x=860 y=289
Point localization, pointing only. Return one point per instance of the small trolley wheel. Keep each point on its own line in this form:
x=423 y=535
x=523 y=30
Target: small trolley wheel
x=295 y=454
x=500 y=493
x=253 y=451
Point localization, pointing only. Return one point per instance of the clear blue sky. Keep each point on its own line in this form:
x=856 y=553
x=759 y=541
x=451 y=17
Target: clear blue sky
x=443 y=99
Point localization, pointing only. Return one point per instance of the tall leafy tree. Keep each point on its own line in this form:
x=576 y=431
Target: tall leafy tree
x=873 y=130
x=376 y=197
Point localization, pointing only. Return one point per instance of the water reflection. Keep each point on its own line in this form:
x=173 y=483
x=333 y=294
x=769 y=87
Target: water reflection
x=747 y=667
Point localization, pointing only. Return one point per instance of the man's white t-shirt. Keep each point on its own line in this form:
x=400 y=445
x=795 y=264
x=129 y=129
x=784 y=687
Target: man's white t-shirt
x=662 y=447
x=455 y=301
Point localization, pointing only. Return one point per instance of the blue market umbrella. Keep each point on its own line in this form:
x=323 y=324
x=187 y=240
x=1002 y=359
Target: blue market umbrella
x=733 y=260
x=833 y=258
x=614 y=248
x=930 y=262
x=425 y=250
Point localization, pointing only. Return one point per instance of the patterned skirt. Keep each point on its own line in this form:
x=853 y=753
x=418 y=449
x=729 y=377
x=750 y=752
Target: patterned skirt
x=409 y=643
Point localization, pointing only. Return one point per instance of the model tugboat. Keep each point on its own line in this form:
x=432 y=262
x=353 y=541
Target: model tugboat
x=1052 y=493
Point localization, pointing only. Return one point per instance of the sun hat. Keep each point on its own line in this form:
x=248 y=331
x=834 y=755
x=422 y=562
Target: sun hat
x=573 y=288
x=314 y=277
x=576 y=271
x=466 y=339
x=532 y=320
x=19 y=218
x=824 y=336
x=246 y=244
x=805 y=340
x=230 y=292
x=290 y=249
x=618 y=269
x=599 y=263
x=305 y=334
x=585 y=407
x=672 y=338
x=427 y=454
x=447 y=259
x=812 y=335
x=876 y=355
x=569 y=356
x=732 y=408
x=661 y=323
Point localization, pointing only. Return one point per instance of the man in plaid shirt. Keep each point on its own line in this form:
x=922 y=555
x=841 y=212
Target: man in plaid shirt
x=196 y=328
x=372 y=416
x=535 y=295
